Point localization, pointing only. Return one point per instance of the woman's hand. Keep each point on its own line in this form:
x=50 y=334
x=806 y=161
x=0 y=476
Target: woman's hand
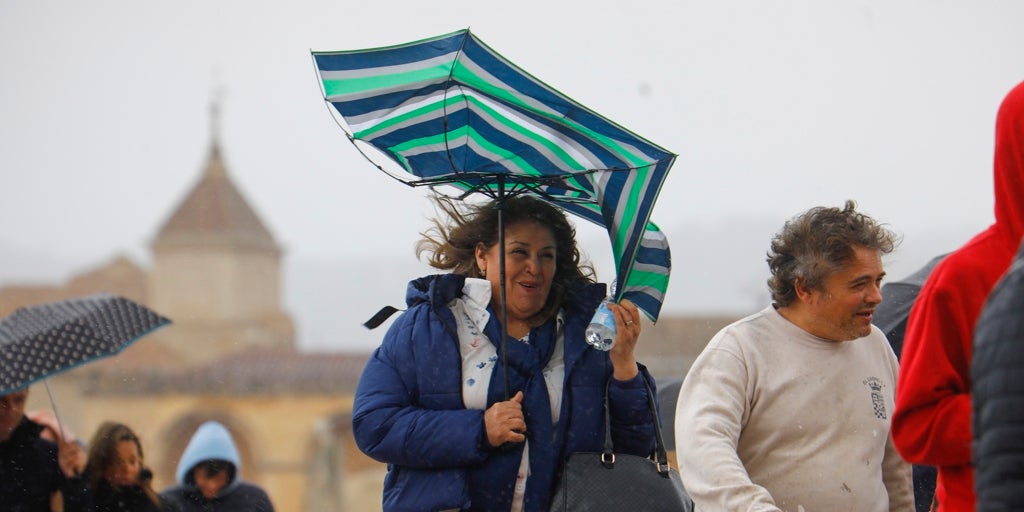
x=627 y=333
x=71 y=458
x=505 y=423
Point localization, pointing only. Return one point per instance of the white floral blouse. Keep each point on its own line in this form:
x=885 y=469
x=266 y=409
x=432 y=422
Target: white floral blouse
x=479 y=355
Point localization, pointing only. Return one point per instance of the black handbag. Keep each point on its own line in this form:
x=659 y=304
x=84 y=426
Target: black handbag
x=615 y=482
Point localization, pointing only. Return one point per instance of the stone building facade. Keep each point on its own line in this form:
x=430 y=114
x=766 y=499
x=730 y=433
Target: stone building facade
x=229 y=355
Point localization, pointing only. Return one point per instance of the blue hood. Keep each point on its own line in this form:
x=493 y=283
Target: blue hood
x=211 y=441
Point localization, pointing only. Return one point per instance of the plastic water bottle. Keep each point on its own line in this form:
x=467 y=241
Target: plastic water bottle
x=601 y=332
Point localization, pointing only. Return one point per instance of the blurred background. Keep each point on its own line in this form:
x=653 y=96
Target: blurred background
x=182 y=155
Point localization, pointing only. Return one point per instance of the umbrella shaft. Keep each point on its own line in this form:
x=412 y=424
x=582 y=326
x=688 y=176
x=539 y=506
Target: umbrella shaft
x=500 y=204
x=60 y=424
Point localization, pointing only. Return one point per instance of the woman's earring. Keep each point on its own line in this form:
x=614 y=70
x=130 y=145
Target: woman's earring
x=483 y=272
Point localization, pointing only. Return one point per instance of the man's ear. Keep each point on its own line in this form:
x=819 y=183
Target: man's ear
x=803 y=292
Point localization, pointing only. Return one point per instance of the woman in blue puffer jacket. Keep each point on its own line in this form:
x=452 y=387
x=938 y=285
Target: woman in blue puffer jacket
x=432 y=400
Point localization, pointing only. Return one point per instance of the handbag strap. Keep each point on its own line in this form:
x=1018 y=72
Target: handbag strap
x=661 y=454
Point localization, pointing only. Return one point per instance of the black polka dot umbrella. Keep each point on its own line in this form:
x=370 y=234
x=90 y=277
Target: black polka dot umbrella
x=43 y=340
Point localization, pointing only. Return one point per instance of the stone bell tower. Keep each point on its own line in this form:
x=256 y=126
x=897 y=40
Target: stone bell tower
x=217 y=272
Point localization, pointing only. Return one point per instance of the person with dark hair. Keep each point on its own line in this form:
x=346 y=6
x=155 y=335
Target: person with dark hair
x=431 y=401
x=117 y=475
x=789 y=408
x=891 y=317
x=932 y=422
x=998 y=395
x=33 y=470
x=208 y=476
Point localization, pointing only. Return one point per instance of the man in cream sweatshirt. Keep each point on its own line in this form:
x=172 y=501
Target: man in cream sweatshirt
x=789 y=409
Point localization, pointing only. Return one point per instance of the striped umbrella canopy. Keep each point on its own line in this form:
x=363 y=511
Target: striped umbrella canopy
x=449 y=110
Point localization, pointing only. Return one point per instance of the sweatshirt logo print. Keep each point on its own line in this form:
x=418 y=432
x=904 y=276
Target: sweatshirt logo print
x=877 y=401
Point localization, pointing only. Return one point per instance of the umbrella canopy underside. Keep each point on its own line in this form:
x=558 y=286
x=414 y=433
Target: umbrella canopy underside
x=450 y=110
x=43 y=340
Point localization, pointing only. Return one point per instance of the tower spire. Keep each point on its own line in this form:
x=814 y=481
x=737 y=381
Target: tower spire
x=215 y=102
x=216 y=164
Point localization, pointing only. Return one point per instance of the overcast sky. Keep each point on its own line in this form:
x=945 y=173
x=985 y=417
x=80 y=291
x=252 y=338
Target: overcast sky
x=772 y=106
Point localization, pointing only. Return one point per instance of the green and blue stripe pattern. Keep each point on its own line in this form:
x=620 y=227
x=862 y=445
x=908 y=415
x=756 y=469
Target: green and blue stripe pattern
x=450 y=110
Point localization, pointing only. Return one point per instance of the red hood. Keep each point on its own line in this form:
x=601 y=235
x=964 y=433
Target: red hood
x=1008 y=167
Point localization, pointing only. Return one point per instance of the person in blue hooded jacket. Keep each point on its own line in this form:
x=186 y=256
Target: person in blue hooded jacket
x=431 y=402
x=208 y=476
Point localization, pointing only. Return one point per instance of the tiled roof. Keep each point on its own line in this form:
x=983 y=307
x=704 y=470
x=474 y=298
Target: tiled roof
x=215 y=212
x=140 y=356
x=245 y=373
x=669 y=347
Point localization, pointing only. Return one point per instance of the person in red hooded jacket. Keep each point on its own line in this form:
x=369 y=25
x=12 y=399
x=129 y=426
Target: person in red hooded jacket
x=932 y=421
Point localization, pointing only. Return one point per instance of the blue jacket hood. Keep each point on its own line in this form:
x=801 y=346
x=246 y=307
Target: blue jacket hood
x=437 y=289
x=211 y=441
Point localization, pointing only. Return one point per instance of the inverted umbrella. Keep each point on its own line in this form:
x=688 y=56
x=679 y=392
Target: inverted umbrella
x=43 y=340
x=450 y=110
